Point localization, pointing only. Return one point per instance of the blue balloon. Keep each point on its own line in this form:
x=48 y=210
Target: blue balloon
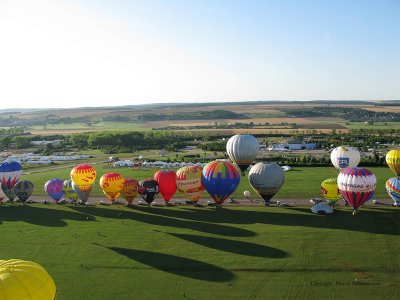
x=53 y=188
x=10 y=172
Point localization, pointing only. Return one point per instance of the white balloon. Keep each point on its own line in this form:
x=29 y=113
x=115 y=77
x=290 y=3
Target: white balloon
x=242 y=149
x=345 y=157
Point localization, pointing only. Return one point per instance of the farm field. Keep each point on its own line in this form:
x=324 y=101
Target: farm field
x=301 y=182
x=208 y=253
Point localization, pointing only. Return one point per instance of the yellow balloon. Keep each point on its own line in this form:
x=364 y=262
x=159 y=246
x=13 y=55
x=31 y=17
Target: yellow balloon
x=21 y=279
x=111 y=184
x=83 y=176
x=393 y=161
x=330 y=190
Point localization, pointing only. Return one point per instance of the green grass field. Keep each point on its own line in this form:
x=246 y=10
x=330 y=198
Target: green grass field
x=300 y=182
x=208 y=253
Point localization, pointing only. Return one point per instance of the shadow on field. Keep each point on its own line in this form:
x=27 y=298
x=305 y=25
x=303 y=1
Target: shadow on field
x=40 y=215
x=181 y=266
x=368 y=220
x=237 y=247
x=165 y=221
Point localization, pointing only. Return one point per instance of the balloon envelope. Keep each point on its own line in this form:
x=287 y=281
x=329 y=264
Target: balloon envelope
x=23 y=189
x=330 y=190
x=242 y=149
x=83 y=176
x=82 y=195
x=393 y=161
x=8 y=192
x=266 y=178
x=2 y=195
x=20 y=279
x=357 y=185
x=10 y=173
x=166 y=180
x=393 y=189
x=53 y=188
x=69 y=191
x=129 y=189
x=189 y=182
x=345 y=157
x=111 y=184
x=149 y=189
x=220 y=179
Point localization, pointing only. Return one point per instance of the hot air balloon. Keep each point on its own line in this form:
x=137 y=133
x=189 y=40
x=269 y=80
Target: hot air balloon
x=111 y=184
x=357 y=185
x=83 y=176
x=220 y=179
x=149 y=189
x=345 y=157
x=166 y=180
x=83 y=196
x=69 y=191
x=10 y=172
x=393 y=161
x=266 y=178
x=20 y=279
x=8 y=192
x=189 y=183
x=242 y=149
x=23 y=189
x=393 y=189
x=129 y=189
x=330 y=190
x=53 y=188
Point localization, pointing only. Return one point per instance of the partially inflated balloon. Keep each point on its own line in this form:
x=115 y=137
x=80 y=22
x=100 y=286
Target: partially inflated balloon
x=83 y=176
x=166 y=180
x=242 y=149
x=189 y=183
x=69 y=191
x=330 y=190
x=111 y=184
x=53 y=188
x=8 y=192
x=83 y=196
x=357 y=185
x=266 y=178
x=149 y=189
x=20 y=279
x=393 y=161
x=393 y=189
x=220 y=179
x=129 y=189
x=10 y=172
x=23 y=189
x=345 y=157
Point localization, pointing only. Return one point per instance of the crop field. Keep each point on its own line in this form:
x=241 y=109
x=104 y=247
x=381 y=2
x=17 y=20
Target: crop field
x=207 y=253
x=301 y=183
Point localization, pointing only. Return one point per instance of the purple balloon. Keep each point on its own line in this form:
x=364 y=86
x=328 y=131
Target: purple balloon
x=53 y=188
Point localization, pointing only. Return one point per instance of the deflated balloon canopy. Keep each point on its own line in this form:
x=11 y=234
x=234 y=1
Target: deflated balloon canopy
x=83 y=176
x=53 y=188
x=20 y=279
x=393 y=161
x=345 y=157
x=111 y=184
x=242 y=150
x=149 y=189
x=166 y=180
x=266 y=178
x=357 y=185
x=23 y=190
x=189 y=183
x=220 y=179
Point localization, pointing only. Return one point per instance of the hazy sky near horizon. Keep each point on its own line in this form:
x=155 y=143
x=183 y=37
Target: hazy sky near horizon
x=72 y=53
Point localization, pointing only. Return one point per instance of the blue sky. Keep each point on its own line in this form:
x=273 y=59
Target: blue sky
x=94 y=53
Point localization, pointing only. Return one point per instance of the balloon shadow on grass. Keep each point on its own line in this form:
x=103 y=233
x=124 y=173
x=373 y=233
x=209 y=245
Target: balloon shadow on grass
x=41 y=216
x=236 y=247
x=130 y=214
x=177 y=265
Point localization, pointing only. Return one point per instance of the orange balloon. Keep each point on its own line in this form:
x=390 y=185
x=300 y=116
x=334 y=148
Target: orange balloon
x=111 y=184
x=83 y=176
x=129 y=189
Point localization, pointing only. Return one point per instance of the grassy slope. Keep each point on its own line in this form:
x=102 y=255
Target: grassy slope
x=300 y=182
x=203 y=253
